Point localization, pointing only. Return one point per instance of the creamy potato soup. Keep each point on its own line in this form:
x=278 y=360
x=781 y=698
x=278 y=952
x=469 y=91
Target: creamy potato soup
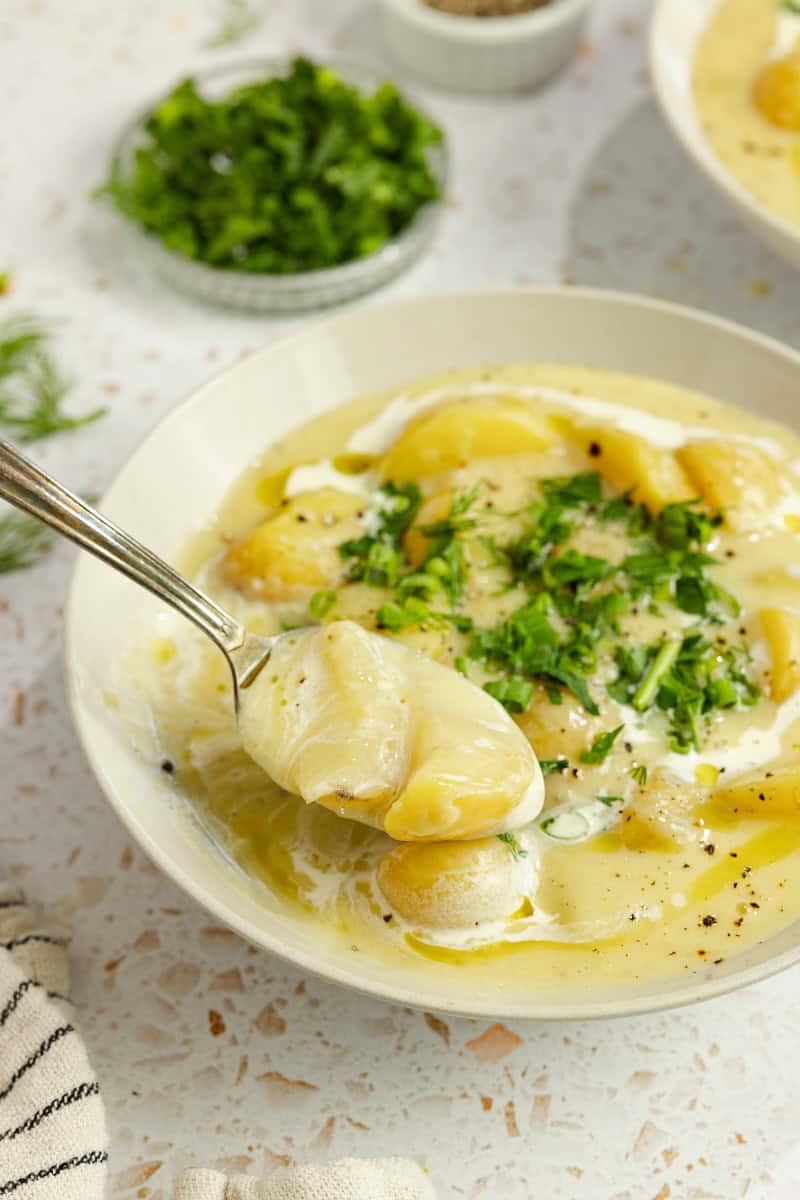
x=747 y=92
x=612 y=561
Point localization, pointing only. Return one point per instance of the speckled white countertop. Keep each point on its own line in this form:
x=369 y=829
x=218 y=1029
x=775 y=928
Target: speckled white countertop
x=209 y=1051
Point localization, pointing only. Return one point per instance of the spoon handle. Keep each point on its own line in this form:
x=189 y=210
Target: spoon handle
x=26 y=486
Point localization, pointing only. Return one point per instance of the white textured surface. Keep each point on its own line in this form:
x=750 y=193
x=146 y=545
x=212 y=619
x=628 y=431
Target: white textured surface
x=208 y=1050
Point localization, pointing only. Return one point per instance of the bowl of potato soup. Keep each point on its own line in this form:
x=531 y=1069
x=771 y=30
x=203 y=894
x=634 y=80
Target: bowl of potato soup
x=727 y=77
x=538 y=554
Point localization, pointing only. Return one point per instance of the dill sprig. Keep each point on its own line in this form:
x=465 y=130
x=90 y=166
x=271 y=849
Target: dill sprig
x=32 y=388
x=23 y=541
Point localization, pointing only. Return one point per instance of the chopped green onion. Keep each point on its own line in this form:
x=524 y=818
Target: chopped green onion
x=662 y=663
x=321 y=604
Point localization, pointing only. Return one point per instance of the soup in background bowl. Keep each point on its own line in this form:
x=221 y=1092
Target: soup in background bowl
x=726 y=76
x=580 y=523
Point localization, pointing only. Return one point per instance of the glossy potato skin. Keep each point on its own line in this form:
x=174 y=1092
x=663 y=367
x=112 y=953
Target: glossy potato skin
x=296 y=550
x=781 y=628
x=558 y=729
x=735 y=478
x=773 y=794
x=776 y=92
x=652 y=475
x=662 y=814
x=453 y=435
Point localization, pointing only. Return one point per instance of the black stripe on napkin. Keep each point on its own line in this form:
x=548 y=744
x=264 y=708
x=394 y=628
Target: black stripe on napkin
x=14 y=1000
x=49 y=1041
x=78 y=1160
x=81 y=1092
x=31 y=937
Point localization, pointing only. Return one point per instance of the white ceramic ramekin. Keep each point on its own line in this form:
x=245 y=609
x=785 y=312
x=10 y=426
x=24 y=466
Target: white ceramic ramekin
x=483 y=54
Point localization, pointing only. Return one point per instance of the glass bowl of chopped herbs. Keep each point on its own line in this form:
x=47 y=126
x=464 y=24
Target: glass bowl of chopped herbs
x=280 y=185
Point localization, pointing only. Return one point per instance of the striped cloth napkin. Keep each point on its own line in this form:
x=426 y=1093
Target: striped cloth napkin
x=53 y=1140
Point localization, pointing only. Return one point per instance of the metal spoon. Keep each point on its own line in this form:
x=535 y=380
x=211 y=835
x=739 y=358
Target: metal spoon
x=26 y=486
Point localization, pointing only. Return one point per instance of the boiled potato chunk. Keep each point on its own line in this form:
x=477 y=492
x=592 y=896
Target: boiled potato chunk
x=773 y=794
x=435 y=642
x=629 y=463
x=296 y=550
x=782 y=630
x=556 y=730
x=453 y=435
x=776 y=92
x=452 y=885
x=738 y=478
x=382 y=734
x=663 y=814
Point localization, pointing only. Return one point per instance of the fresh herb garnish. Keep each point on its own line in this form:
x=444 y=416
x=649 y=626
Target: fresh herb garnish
x=321 y=604
x=553 y=766
x=569 y=626
x=527 y=644
x=639 y=774
x=377 y=558
x=513 y=692
x=573 y=491
x=23 y=541
x=32 y=389
x=609 y=801
x=601 y=747
x=413 y=612
x=687 y=678
x=660 y=667
x=290 y=174
x=509 y=840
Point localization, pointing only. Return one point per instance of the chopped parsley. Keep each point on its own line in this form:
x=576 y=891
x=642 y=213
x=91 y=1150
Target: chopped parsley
x=566 y=635
x=639 y=774
x=601 y=747
x=528 y=644
x=288 y=174
x=513 y=692
x=553 y=766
